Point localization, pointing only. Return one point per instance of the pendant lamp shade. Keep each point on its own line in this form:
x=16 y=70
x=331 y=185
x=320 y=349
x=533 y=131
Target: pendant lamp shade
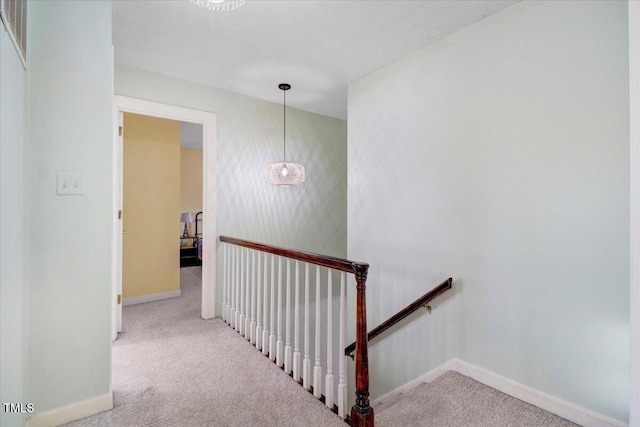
x=219 y=5
x=284 y=174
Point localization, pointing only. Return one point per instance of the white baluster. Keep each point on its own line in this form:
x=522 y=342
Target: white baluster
x=265 y=330
x=232 y=316
x=259 y=305
x=224 y=282
x=317 y=369
x=229 y=268
x=237 y=290
x=306 y=362
x=252 y=325
x=287 y=346
x=279 y=344
x=272 y=335
x=296 y=329
x=245 y=285
x=247 y=299
x=328 y=392
x=342 y=378
x=228 y=283
x=230 y=288
x=240 y=325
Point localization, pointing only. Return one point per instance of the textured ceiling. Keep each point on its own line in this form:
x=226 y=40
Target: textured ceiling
x=317 y=46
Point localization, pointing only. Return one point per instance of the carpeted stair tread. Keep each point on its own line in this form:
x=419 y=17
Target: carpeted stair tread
x=454 y=400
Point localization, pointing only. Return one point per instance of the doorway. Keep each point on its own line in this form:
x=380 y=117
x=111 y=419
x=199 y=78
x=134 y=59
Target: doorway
x=208 y=233
x=191 y=211
x=151 y=205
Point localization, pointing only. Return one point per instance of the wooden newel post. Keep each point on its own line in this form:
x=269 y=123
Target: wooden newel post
x=361 y=412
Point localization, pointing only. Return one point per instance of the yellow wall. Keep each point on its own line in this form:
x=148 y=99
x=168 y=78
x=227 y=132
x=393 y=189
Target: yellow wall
x=151 y=206
x=191 y=185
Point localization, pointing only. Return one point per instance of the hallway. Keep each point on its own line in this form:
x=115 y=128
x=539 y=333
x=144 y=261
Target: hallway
x=161 y=376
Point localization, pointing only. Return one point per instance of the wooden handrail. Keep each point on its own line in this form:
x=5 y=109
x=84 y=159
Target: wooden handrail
x=361 y=412
x=341 y=264
x=420 y=302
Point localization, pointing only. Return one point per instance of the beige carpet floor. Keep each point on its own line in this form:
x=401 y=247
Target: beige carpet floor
x=171 y=368
x=453 y=400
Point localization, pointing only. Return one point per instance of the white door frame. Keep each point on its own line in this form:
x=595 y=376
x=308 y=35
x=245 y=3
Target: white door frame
x=116 y=258
x=124 y=104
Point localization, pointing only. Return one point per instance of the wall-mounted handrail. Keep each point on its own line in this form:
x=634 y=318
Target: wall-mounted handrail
x=420 y=302
x=361 y=412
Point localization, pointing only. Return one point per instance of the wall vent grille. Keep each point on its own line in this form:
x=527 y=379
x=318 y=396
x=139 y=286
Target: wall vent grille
x=14 y=18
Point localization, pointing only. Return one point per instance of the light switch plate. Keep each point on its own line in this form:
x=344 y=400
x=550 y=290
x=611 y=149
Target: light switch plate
x=70 y=184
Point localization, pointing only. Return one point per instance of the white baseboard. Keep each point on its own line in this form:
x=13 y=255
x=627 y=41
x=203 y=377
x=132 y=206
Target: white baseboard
x=72 y=412
x=151 y=297
x=428 y=377
x=567 y=410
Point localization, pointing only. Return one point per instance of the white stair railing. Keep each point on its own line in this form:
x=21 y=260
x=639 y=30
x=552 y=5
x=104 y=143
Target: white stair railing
x=248 y=302
x=264 y=310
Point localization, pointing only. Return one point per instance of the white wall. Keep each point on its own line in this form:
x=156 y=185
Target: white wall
x=634 y=74
x=13 y=282
x=310 y=217
x=500 y=156
x=70 y=105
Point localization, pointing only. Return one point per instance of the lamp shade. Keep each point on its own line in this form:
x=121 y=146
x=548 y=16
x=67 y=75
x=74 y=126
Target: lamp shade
x=284 y=174
x=219 y=5
x=186 y=217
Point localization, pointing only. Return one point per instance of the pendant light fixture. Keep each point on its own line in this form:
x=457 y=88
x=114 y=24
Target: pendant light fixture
x=284 y=174
x=219 y=5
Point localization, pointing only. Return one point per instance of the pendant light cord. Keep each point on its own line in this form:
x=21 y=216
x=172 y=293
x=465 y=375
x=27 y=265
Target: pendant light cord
x=284 y=134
